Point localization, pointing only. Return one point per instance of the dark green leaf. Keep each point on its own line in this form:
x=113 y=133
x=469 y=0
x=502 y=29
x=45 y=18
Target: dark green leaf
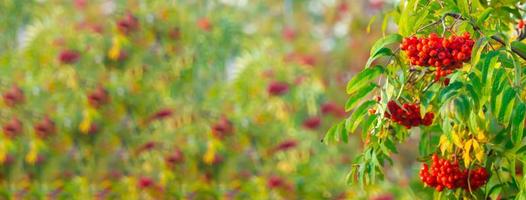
x=342 y=132
x=496 y=89
x=358 y=115
x=355 y=97
x=517 y=123
x=506 y=103
x=390 y=145
x=477 y=50
x=485 y=14
x=473 y=96
x=364 y=77
x=330 y=136
x=462 y=107
x=384 y=51
x=449 y=91
x=519 y=47
x=381 y=43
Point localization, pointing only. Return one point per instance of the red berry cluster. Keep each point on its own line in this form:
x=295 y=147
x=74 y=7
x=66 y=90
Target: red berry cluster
x=45 y=128
x=68 y=56
x=447 y=174
x=98 y=97
x=13 y=96
x=408 y=115
x=222 y=128
x=128 y=24
x=312 y=123
x=446 y=54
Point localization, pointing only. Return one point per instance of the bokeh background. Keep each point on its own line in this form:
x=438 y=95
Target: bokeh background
x=183 y=99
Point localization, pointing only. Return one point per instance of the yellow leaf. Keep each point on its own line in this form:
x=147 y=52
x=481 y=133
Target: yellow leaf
x=32 y=155
x=481 y=136
x=115 y=50
x=466 y=156
x=479 y=155
x=210 y=154
x=456 y=139
x=444 y=144
x=85 y=125
x=478 y=150
x=3 y=151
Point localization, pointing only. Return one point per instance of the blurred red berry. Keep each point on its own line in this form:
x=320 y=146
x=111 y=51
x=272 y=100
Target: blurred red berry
x=333 y=109
x=128 y=24
x=80 y=4
x=343 y=7
x=222 y=128
x=176 y=157
x=13 y=96
x=98 y=97
x=12 y=128
x=386 y=196
x=145 y=182
x=312 y=123
x=286 y=145
x=68 y=56
x=163 y=113
x=148 y=146
x=288 y=33
x=275 y=182
x=45 y=128
x=308 y=60
x=276 y=88
x=204 y=24
x=175 y=33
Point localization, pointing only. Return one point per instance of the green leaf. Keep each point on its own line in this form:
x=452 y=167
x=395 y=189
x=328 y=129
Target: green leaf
x=390 y=145
x=496 y=90
x=506 y=103
x=364 y=77
x=517 y=123
x=487 y=68
x=484 y=15
x=449 y=91
x=358 y=115
x=342 y=132
x=462 y=107
x=367 y=123
x=358 y=95
x=474 y=96
x=384 y=51
x=381 y=43
x=464 y=7
x=330 y=136
x=521 y=150
x=519 y=47
x=475 y=82
x=477 y=50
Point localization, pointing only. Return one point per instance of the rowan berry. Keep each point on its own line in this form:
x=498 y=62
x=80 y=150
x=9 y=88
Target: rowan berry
x=445 y=54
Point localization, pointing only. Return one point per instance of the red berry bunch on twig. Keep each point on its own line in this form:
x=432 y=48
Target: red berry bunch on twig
x=446 y=54
x=408 y=115
x=447 y=174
